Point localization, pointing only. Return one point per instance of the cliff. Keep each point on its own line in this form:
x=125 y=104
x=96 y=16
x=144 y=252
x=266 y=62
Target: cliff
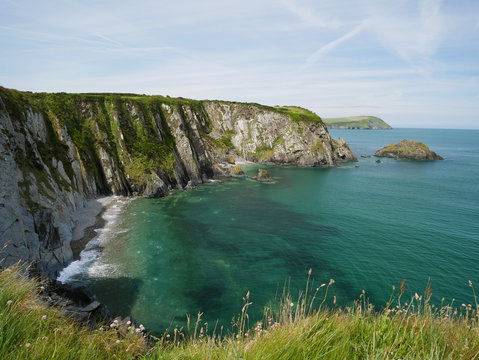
x=57 y=150
x=357 y=122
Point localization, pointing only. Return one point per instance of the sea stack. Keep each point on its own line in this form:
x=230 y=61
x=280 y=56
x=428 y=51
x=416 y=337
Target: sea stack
x=262 y=176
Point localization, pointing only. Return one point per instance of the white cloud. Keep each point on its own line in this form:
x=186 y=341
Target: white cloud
x=413 y=34
x=325 y=49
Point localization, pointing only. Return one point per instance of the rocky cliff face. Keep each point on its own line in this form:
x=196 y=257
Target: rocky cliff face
x=56 y=150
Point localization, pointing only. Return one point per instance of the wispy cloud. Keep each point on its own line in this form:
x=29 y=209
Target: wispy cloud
x=413 y=32
x=325 y=49
x=391 y=59
x=308 y=15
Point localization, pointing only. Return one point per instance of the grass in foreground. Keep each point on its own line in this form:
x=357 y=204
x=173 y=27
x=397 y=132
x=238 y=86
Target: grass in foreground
x=290 y=330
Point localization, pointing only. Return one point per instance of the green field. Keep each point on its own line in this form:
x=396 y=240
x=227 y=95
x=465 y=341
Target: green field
x=356 y=122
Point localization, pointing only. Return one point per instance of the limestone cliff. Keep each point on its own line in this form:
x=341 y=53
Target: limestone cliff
x=56 y=150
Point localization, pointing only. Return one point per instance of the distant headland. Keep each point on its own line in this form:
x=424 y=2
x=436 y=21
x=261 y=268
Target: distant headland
x=356 y=122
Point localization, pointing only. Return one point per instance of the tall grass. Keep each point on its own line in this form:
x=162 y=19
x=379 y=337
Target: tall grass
x=30 y=329
x=302 y=327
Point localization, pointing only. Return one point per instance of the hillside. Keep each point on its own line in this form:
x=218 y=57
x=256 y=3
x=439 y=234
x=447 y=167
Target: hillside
x=356 y=122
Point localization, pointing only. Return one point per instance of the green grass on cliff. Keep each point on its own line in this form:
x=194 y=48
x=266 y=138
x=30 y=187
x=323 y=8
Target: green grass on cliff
x=361 y=122
x=299 y=114
x=301 y=328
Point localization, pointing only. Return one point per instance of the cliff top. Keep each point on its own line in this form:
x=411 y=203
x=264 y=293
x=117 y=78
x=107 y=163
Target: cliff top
x=296 y=113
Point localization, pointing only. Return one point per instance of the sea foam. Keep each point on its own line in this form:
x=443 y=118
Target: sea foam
x=90 y=257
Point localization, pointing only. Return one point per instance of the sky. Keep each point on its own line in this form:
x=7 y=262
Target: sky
x=411 y=63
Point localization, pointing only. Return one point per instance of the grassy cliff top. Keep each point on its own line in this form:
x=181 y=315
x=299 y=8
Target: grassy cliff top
x=356 y=122
x=295 y=113
x=408 y=328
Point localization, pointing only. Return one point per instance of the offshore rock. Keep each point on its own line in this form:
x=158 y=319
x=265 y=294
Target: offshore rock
x=408 y=150
x=263 y=176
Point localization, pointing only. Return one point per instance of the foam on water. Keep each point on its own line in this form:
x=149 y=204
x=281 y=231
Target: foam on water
x=90 y=258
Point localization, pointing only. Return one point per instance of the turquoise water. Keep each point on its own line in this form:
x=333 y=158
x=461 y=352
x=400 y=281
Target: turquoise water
x=368 y=228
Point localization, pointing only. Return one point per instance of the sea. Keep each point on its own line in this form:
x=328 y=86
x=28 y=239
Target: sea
x=368 y=225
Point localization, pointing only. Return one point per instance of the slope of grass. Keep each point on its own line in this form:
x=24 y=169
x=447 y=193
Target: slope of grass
x=302 y=328
x=359 y=122
x=30 y=329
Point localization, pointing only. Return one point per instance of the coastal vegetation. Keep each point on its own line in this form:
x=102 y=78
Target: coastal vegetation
x=302 y=327
x=356 y=122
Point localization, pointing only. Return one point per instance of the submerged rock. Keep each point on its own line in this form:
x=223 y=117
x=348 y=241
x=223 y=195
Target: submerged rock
x=408 y=150
x=263 y=176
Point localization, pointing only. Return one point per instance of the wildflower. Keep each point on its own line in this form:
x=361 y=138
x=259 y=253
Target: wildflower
x=142 y=328
x=291 y=304
x=331 y=282
x=310 y=271
x=42 y=288
x=118 y=341
x=9 y=302
x=128 y=322
x=137 y=330
x=470 y=283
x=322 y=285
x=44 y=338
x=27 y=345
x=44 y=317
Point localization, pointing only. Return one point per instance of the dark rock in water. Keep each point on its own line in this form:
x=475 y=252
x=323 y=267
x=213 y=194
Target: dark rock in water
x=237 y=171
x=378 y=161
x=408 y=150
x=262 y=176
x=77 y=301
x=356 y=166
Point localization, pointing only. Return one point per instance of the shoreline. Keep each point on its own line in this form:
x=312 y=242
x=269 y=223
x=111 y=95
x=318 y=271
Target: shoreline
x=89 y=219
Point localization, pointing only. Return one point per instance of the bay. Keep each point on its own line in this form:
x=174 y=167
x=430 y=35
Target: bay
x=366 y=227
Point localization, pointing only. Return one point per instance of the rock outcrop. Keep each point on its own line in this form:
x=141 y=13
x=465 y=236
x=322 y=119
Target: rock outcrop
x=408 y=150
x=263 y=176
x=57 y=150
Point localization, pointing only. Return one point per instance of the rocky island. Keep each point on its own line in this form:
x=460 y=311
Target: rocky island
x=408 y=150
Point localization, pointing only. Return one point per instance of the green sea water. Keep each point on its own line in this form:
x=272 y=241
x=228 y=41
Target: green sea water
x=366 y=227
